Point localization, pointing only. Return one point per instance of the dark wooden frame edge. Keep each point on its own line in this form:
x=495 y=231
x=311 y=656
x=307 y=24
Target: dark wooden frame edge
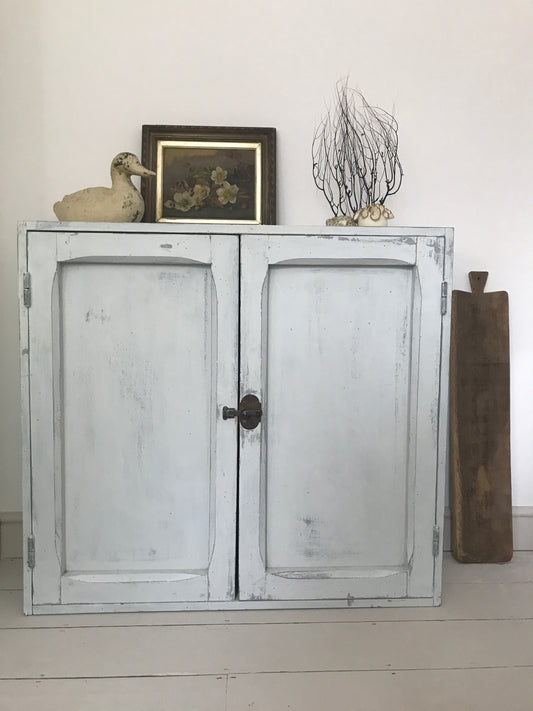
x=151 y=134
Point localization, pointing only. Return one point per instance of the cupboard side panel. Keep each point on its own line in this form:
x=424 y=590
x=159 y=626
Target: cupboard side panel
x=426 y=414
x=444 y=409
x=43 y=319
x=24 y=354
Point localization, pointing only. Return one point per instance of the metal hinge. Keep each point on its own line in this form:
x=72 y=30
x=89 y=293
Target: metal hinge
x=444 y=297
x=26 y=289
x=436 y=541
x=31 y=552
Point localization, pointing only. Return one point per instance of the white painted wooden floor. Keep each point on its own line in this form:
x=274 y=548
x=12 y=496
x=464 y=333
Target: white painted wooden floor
x=474 y=652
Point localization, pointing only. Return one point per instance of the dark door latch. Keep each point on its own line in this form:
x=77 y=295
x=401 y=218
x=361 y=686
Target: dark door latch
x=249 y=412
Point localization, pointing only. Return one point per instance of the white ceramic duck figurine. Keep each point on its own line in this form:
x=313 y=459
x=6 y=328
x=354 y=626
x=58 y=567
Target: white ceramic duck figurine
x=122 y=202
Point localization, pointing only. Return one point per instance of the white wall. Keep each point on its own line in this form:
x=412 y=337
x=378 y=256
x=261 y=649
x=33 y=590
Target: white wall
x=79 y=79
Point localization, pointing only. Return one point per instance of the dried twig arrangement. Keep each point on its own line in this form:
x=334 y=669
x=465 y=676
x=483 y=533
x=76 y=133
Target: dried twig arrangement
x=355 y=153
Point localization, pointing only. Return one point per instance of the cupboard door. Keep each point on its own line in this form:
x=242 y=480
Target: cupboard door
x=341 y=342
x=133 y=343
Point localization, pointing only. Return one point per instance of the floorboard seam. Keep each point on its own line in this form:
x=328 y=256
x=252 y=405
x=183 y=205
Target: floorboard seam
x=188 y=625
x=234 y=675
x=163 y=675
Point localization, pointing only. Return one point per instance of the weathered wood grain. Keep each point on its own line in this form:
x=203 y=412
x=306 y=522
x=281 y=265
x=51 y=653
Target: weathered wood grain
x=480 y=430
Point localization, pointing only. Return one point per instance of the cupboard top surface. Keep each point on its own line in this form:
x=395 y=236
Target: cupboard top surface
x=159 y=227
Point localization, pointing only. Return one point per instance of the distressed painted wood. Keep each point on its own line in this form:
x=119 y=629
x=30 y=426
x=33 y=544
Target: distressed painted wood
x=24 y=352
x=482 y=530
x=132 y=500
x=133 y=350
x=342 y=343
x=428 y=413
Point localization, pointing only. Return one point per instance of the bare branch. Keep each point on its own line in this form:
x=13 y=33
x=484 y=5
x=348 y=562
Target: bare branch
x=355 y=153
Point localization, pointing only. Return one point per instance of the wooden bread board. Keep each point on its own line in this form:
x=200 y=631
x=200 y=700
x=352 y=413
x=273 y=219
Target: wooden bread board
x=480 y=425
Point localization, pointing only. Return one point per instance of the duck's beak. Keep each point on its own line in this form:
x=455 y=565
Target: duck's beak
x=142 y=171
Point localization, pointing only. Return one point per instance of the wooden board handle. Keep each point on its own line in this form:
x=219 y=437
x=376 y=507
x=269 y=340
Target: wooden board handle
x=478 y=281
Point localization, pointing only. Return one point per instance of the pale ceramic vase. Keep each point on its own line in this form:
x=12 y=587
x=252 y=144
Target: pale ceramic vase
x=373 y=216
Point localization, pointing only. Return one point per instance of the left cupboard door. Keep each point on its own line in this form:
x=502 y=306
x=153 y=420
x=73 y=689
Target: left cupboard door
x=132 y=342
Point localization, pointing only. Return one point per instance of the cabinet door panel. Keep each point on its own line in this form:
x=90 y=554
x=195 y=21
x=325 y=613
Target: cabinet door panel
x=140 y=347
x=336 y=383
x=337 y=486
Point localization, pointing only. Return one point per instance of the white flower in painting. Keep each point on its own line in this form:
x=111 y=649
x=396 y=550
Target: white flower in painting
x=200 y=193
x=219 y=175
x=183 y=201
x=227 y=193
x=170 y=204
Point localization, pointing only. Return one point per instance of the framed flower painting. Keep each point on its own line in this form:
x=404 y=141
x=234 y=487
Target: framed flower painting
x=210 y=174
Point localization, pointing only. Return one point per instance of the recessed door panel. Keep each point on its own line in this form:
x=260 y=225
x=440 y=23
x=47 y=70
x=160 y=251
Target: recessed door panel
x=338 y=346
x=136 y=422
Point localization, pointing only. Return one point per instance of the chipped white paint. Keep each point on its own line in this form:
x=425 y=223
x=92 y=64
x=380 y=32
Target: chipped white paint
x=337 y=497
x=133 y=482
x=132 y=355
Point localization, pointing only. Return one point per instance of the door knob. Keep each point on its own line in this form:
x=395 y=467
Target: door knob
x=249 y=412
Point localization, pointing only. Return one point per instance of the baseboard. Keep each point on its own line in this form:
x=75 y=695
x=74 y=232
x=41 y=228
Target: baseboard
x=522 y=528
x=10 y=534
x=11 y=531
